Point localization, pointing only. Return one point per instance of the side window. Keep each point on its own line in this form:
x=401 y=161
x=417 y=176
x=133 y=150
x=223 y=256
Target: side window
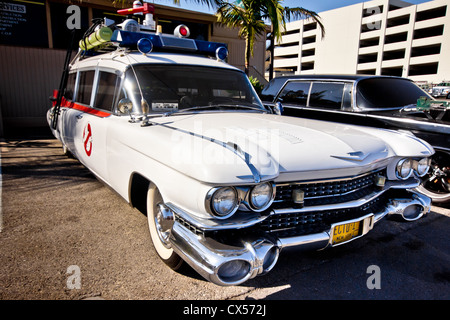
x=85 y=87
x=295 y=93
x=107 y=83
x=70 y=86
x=326 y=95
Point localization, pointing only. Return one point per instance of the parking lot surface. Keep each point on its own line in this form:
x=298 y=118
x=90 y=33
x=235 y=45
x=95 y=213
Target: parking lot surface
x=64 y=235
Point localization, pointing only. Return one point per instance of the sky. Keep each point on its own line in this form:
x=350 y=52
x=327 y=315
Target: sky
x=314 y=5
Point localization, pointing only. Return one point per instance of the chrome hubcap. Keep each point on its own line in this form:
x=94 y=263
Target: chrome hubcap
x=164 y=221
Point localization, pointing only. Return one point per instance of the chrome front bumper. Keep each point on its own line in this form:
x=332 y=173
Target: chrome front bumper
x=225 y=264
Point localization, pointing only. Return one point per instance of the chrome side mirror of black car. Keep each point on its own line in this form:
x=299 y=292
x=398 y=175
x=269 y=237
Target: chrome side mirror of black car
x=278 y=108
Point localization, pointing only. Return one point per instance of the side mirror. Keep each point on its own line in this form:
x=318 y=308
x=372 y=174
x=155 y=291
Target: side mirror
x=144 y=106
x=125 y=106
x=278 y=108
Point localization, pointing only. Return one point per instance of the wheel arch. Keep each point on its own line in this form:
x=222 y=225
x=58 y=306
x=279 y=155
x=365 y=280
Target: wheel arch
x=137 y=192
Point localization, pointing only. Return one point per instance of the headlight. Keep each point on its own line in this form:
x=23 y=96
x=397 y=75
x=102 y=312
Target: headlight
x=422 y=166
x=261 y=196
x=403 y=169
x=223 y=201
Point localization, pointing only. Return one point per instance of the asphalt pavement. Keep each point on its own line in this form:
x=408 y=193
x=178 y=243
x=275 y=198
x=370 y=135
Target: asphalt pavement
x=66 y=236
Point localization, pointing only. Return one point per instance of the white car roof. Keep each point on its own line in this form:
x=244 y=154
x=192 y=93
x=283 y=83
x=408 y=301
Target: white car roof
x=119 y=60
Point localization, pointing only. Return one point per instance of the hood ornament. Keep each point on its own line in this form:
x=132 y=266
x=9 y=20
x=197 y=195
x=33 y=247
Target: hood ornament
x=354 y=156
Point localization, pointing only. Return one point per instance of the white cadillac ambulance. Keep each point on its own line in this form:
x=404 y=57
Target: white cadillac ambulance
x=226 y=184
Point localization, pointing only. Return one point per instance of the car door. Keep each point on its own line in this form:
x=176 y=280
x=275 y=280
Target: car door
x=324 y=100
x=89 y=119
x=294 y=97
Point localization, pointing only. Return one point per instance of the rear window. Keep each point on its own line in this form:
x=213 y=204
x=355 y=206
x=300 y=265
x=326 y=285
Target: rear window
x=387 y=93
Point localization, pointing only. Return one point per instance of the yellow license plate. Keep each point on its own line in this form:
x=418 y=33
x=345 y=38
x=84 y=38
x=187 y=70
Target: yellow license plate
x=345 y=232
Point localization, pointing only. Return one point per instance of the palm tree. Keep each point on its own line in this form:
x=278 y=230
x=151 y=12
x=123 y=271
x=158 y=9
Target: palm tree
x=249 y=17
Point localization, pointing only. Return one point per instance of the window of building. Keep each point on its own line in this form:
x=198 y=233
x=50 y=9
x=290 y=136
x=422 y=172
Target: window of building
x=397 y=37
x=287 y=56
x=375 y=25
x=392 y=71
x=367 y=58
x=422 y=69
x=431 y=13
x=287 y=44
x=23 y=23
x=426 y=50
x=367 y=71
x=398 y=21
x=310 y=39
x=428 y=32
x=363 y=43
x=307 y=66
x=326 y=95
x=106 y=89
x=310 y=26
x=295 y=93
x=308 y=53
x=85 y=87
x=289 y=32
x=393 y=54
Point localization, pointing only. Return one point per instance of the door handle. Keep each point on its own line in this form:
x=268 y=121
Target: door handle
x=80 y=116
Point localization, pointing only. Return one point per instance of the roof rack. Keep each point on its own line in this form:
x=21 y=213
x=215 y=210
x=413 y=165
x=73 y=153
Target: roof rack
x=107 y=36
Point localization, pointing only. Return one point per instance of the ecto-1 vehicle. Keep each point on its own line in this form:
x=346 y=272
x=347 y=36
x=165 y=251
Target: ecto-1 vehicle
x=225 y=184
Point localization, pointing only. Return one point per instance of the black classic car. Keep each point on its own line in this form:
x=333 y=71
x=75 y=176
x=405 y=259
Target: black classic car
x=377 y=101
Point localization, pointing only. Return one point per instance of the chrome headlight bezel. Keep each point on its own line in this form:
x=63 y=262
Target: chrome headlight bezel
x=213 y=198
x=422 y=166
x=270 y=194
x=404 y=168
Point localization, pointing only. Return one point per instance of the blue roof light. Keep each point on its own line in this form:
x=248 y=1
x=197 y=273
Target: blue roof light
x=170 y=43
x=221 y=53
x=144 y=45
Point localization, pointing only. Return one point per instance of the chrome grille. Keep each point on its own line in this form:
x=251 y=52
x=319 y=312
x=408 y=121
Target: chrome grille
x=300 y=223
x=327 y=192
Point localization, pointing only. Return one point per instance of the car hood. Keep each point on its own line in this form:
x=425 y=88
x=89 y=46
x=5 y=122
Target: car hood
x=250 y=147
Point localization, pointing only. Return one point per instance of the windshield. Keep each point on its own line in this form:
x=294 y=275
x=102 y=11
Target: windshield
x=387 y=93
x=174 y=88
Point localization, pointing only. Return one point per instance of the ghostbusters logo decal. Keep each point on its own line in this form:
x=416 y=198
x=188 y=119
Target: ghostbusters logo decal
x=87 y=139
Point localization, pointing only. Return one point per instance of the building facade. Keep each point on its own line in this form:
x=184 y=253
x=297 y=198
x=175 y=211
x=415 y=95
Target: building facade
x=382 y=37
x=34 y=38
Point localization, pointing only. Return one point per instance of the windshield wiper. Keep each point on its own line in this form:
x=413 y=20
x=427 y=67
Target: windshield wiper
x=213 y=107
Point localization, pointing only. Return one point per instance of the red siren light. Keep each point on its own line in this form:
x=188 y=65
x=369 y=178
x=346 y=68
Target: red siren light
x=181 y=31
x=146 y=8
